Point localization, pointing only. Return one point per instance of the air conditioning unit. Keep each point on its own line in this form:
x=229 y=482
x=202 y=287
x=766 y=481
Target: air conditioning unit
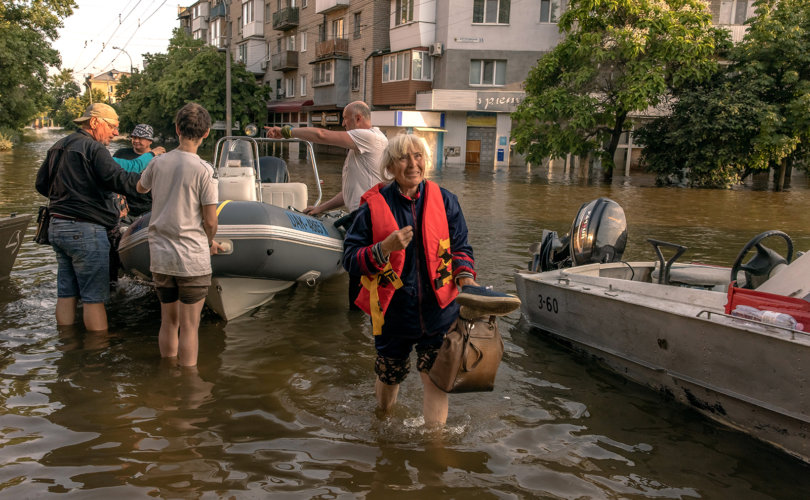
x=264 y=65
x=436 y=49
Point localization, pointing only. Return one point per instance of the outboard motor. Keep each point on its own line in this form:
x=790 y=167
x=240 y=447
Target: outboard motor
x=598 y=234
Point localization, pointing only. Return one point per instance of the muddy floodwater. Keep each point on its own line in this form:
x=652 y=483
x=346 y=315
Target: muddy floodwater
x=281 y=404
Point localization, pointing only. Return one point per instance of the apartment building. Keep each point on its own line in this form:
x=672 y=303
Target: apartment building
x=107 y=83
x=451 y=71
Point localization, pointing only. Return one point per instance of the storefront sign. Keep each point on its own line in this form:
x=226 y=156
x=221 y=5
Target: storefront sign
x=498 y=101
x=469 y=39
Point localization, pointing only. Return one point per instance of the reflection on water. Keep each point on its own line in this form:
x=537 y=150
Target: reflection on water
x=282 y=400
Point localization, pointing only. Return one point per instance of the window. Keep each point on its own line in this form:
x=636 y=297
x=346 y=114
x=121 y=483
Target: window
x=337 y=29
x=323 y=73
x=403 y=12
x=214 y=34
x=291 y=42
x=303 y=3
x=243 y=53
x=303 y=79
x=357 y=25
x=279 y=90
x=278 y=46
x=303 y=37
x=322 y=32
x=487 y=72
x=355 y=77
x=422 y=66
x=289 y=84
x=491 y=11
x=396 y=67
x=549 y=11
x=247 y=12
x=735 y=11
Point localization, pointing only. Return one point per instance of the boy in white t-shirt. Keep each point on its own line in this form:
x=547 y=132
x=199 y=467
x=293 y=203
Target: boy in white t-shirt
x=181 y=233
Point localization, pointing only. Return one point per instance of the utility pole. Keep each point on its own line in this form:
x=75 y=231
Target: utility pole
x=228 y=116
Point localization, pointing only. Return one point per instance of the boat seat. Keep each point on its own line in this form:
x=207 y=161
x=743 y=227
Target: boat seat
x=696 y=275
x=237 y=184
x=285 y=194
x=273 y=169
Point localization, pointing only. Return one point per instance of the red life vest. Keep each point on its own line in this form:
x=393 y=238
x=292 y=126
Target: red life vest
x=378 y=290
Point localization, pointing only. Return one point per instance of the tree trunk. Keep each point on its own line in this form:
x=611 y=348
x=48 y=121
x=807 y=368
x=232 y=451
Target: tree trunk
x=779 y=178
x=788 y=173
x=610 y=152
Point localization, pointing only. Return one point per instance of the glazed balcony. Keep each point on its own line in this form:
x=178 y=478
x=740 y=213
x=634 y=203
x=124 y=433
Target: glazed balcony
x=334 y=47
x=324 y=6
x=285 y=19
x=284 y=61
x=218 y=10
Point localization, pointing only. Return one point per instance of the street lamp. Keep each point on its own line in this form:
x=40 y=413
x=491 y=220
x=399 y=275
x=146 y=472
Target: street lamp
x=131 y=69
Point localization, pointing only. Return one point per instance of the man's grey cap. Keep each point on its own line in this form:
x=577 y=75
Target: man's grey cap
x=143 y=130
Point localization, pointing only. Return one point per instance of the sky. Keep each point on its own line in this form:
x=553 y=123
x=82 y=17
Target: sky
x=138 y=26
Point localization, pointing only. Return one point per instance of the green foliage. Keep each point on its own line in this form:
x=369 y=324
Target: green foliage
x=617 y=57
x=61 y=87
x=26 y=29
x=189 y=71
x=705 y=141
x=752 y=117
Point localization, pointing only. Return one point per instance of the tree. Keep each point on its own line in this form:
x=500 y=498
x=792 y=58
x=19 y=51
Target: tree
x=26 y=29
x=189 y=71
x=74 y=107
x=617 y=57
x=707 y=139
x=61 y=87
x=774 y=54
x=752 y=117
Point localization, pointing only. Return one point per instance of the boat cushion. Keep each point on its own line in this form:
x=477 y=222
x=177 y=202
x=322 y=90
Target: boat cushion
x=237 y=188
x=697 y=275
x=285 y=195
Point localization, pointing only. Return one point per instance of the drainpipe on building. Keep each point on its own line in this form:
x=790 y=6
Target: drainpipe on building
x=365 y=61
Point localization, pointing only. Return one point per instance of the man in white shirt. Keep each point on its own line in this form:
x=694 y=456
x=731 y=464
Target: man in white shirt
x=361 y=170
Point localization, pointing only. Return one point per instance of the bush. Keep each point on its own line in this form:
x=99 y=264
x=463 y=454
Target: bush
x=7 y=137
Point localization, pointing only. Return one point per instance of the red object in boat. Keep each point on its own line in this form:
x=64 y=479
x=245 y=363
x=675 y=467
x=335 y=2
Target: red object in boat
x=798 y=308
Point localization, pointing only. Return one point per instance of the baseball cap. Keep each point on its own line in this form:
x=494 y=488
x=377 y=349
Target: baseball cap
x=97 y=110
x=143 y=131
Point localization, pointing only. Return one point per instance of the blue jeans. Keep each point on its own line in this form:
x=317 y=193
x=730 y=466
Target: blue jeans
x=83 y=258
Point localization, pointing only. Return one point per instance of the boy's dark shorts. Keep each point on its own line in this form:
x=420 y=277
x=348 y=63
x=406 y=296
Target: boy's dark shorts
x=394 y=356
x=188 y=289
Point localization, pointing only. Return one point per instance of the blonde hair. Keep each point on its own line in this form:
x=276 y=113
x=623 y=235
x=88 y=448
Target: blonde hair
x=399 y=146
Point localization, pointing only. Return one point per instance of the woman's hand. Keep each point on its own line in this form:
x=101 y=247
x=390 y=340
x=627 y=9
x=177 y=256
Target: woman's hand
x=398 y=240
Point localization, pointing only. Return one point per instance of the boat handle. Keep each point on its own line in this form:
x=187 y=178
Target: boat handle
x=791 y=330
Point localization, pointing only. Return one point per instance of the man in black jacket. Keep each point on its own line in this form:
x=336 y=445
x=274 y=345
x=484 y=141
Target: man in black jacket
x=77 y=177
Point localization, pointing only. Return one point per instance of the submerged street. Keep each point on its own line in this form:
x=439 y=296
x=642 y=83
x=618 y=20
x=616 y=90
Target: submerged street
x=282 y=400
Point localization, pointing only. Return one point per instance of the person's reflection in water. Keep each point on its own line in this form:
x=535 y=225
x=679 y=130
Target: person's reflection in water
x=402 y=468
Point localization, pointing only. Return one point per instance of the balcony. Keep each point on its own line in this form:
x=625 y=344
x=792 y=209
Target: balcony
x=330 y=48
x=285 y=19
x=324 y=6
x=254 y=29
x=218 y=10
x=285 y=60
x=199 y=23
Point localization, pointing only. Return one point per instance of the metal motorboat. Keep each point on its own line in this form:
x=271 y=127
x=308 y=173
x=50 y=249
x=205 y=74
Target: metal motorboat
x=270 y=244
x=677 y=327
x=12 y=230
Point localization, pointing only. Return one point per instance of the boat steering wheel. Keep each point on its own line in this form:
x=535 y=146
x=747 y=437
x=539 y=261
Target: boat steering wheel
x=764 y=261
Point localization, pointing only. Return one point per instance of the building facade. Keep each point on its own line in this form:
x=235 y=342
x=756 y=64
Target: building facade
x=107 y=83
x=451 y=71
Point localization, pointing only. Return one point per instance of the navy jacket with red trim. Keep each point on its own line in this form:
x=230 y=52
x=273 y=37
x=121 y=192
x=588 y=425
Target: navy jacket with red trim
x=413 y=311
